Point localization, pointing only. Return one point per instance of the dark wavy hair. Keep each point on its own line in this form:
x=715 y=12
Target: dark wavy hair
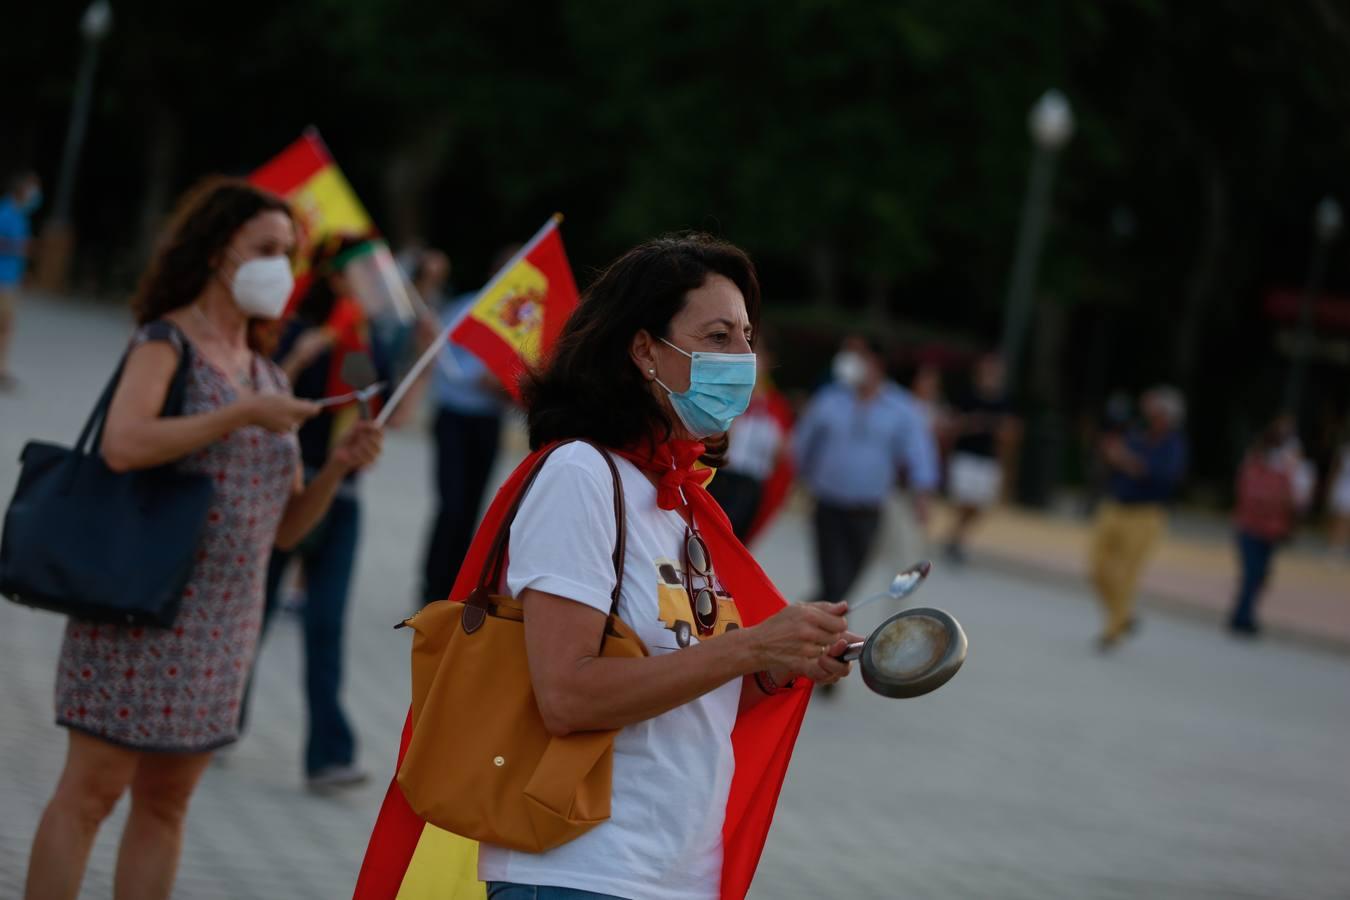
x=590 y=388
x=204 y=222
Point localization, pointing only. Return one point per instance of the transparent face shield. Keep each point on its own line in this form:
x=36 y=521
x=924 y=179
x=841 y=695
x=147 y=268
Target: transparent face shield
x=379 y=285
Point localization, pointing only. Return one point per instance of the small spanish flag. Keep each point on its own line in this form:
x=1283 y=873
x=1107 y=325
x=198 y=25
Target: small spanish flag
x=520 y=312
x=306 y=176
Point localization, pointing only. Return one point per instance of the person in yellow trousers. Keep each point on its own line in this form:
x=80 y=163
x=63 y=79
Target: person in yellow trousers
x=1146 y=466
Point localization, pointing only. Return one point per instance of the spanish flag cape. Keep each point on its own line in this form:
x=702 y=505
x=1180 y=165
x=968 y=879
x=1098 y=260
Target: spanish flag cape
x=407 y=858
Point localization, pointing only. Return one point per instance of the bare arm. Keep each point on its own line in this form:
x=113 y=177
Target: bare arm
x=309 y=502
x=579 y=691
x=137 y=437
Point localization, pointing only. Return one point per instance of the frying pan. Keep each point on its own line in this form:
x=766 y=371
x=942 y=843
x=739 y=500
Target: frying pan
x=913 y=652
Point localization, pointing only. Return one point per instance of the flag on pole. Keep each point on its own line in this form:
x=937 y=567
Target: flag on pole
x=519 y=314
x=323 y=201
x=324 y=204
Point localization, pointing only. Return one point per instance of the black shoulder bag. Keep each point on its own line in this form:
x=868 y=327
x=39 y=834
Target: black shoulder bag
x=95 y=544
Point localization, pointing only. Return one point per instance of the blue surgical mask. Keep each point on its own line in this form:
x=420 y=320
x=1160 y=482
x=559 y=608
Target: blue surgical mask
x=720 y=386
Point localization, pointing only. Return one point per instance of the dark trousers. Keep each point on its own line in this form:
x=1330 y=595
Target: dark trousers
x=1255 y=555
x=466 y=447
x=739 y=496
x=844 y=538
x=327 y=558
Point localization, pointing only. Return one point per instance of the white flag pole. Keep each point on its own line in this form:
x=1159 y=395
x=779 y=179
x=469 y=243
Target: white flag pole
x=435 y=348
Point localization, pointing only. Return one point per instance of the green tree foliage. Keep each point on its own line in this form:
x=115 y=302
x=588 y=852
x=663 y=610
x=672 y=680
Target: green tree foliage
x=871 y=154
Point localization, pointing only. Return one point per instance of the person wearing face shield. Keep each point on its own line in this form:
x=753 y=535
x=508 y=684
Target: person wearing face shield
x=858 y=436
x=22 y=197
x=326 y=326
x=144 y=708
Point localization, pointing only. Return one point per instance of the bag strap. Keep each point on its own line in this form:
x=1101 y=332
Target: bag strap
x=492 y=573
x=174 y=399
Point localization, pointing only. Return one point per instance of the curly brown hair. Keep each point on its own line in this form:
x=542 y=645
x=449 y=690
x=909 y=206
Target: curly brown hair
x=204 y=222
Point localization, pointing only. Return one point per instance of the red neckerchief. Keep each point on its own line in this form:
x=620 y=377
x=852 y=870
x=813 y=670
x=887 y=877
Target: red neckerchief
x=673 y=464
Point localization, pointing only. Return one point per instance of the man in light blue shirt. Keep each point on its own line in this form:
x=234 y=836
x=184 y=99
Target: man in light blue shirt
x=859 y=436
x=23 y=195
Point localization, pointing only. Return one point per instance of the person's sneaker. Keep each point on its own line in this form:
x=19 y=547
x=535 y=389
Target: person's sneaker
x=336 y=778
x=1245 y=629
x=955 y=554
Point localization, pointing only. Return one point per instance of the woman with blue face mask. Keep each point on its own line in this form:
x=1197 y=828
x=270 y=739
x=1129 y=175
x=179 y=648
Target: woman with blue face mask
x=648 y=374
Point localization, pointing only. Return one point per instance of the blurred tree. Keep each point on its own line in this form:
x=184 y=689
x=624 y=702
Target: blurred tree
x=872 y=155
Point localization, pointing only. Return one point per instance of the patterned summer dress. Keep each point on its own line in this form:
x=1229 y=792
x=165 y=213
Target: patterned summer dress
x=178 y=689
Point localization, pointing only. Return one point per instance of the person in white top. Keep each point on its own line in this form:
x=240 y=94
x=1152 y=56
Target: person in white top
x=656 y=360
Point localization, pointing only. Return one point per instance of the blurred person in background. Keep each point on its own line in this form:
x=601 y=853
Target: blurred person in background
x=328 y=325
x=1146 y=464
x=1114 y=421
x=758 y=470
x=1338 y=500
x=926 y=386
x=982 y=425
x=469 y=405
x=1268 y=502
x=858 y=437
x=430 y=276
x=145 y=707
x=22 y=197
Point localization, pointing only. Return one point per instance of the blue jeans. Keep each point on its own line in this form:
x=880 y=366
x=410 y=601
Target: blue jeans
x=327 y=557
x=505 y=890
x=1255 y=555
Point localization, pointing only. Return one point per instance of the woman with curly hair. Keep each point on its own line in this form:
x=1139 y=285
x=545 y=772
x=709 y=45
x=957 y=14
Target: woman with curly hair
x=145 y=707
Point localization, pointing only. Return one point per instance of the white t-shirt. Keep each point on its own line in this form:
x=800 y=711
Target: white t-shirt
x=672 y=773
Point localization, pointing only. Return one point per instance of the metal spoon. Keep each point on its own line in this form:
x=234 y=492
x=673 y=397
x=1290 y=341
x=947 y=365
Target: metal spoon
x=901 y=586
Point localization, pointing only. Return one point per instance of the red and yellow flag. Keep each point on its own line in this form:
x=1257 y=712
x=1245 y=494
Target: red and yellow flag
x=520 y=312
x=319 y=194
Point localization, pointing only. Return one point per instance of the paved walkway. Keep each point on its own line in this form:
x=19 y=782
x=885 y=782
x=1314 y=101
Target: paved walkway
x=1308 y=596
x=1185 y=766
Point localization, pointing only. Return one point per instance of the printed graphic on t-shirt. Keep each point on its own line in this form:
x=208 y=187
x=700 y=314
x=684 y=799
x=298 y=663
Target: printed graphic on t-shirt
x=677 y=610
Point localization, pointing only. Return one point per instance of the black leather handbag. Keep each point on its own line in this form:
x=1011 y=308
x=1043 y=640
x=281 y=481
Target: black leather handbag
x=89 y=542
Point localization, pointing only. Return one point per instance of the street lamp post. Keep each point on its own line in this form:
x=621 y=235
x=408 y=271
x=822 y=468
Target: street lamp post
x=57 y=241
x=1327 y=221
x=1051 y=125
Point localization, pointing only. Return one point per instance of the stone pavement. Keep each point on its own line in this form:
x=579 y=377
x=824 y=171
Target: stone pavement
x=1185 y=766
x=1194 y=570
